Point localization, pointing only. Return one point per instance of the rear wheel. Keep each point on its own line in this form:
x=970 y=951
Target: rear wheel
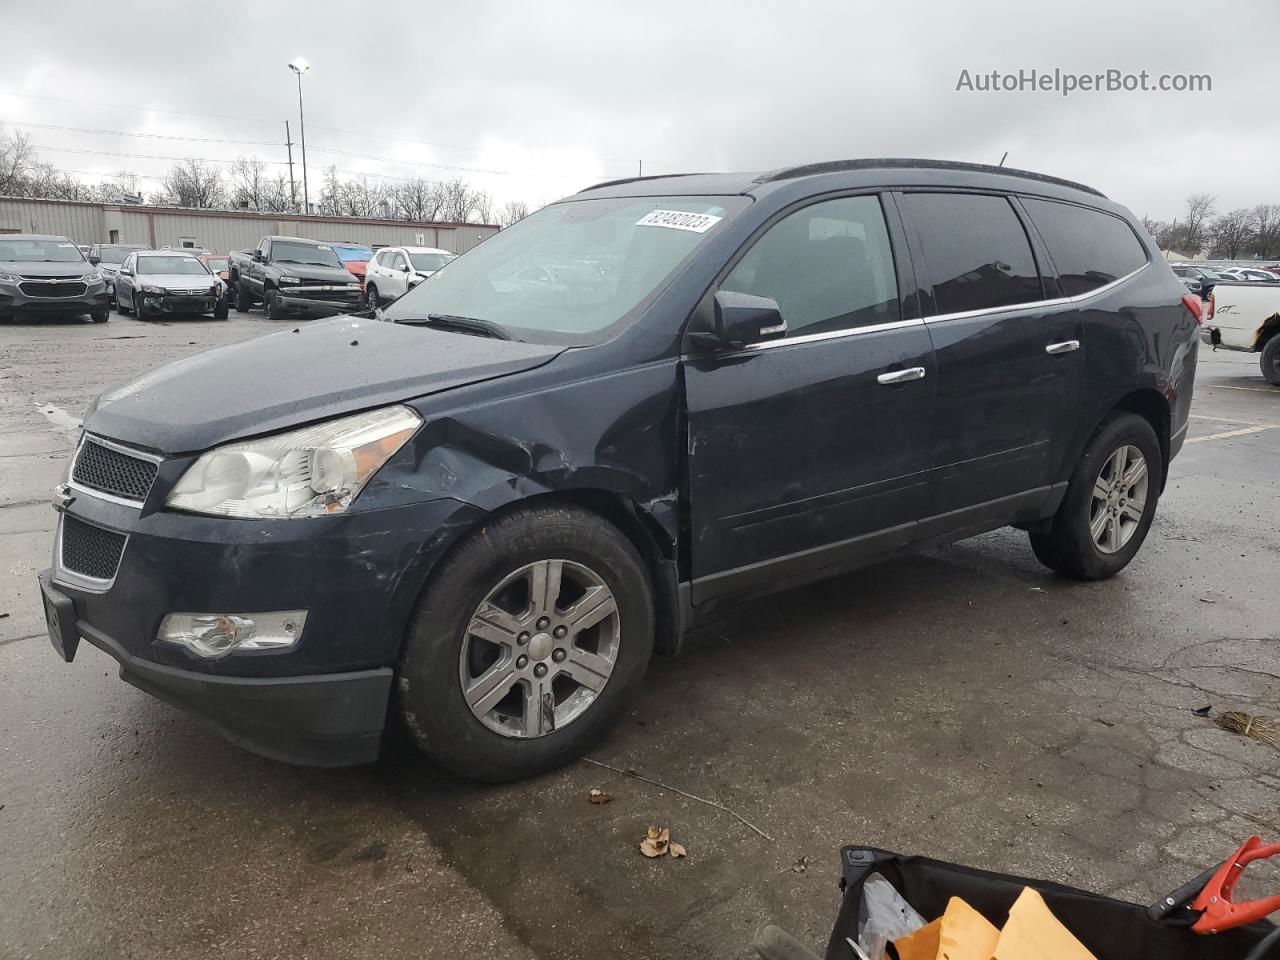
x=526 y=644
x=1271 y=360
x=1109 y=505
x=244 y=299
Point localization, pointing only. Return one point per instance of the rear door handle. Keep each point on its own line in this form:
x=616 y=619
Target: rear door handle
x=1066 y=346
x=901 y=376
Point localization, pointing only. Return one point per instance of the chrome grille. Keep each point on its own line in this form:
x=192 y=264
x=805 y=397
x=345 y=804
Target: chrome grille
x=112 y=471
x=90 y=551
x=45 y=288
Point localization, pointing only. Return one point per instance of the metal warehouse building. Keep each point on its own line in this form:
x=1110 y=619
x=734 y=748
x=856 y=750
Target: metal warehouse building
x=220 y=230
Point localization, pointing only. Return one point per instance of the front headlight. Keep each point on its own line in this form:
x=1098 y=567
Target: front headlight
x=290 y=280
x=311 y=472
x=152 y=288
x=9 y=278
x=92 y=277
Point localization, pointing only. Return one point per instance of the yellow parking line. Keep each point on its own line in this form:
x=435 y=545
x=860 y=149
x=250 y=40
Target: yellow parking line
x=1230 y=433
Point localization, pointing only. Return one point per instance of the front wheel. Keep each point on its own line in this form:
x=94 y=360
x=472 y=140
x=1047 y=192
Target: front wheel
x=1109 y=505
x=371 y=297
x=271 y=305
x=100 y=316
x=1271 y=360
x=137 y=306
x=526 y=643
x=115 y=295
x=220 y=309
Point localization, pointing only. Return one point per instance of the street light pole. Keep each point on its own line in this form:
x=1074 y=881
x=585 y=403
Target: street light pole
x=300 y=66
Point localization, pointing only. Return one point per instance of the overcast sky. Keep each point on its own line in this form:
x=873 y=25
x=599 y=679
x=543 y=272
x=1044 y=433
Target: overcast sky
x=537 y=100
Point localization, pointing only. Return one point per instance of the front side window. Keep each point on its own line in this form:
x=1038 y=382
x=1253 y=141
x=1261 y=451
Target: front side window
x=829 y=266
x=575 y=271
x=184 y=266
x=1089 y=248
x=977 y=255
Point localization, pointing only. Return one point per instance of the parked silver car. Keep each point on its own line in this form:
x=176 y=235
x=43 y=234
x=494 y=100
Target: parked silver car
x=158 y=282
x=393 y=270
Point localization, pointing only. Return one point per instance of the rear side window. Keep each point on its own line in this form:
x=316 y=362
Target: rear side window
x=977 y=254
x=1088 y=247
x=828 y=265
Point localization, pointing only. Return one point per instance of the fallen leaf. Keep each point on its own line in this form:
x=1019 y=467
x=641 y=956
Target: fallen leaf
x=656 y=842
x=599 y=796
x=677 y=850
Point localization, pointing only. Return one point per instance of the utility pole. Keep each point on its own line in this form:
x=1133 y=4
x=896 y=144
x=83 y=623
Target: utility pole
x=300 y=66
x=641 y=166
x=288 y=142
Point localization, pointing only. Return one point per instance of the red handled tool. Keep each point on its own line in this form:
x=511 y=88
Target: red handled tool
x=1214 y=904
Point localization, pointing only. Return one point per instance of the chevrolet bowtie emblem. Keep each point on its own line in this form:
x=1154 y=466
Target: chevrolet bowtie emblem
x=62 y=497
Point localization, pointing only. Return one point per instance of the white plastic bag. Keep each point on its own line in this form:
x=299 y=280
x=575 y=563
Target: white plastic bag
x=883 y=916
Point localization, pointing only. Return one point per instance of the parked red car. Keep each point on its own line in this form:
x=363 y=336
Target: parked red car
x=354 y=256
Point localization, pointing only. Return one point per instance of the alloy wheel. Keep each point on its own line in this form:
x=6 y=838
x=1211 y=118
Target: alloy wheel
x=539 y=648
x=1119 y=499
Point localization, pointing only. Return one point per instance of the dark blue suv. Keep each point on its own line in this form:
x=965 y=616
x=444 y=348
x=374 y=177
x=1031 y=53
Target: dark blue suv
x=484 y=507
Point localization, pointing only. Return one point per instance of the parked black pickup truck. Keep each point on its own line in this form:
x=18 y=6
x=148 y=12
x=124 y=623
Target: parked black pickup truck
x=292 y=275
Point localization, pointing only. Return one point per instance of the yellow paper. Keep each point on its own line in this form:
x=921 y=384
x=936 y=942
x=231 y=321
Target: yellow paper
x=1032 y=932
x=961 y=933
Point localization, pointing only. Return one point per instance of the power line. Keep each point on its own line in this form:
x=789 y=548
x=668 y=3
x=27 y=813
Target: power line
x=122 y=106
x=144 y=156
x=149 y=136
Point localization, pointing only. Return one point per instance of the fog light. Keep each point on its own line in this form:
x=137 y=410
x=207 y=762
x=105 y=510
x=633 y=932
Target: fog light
x=214 y=635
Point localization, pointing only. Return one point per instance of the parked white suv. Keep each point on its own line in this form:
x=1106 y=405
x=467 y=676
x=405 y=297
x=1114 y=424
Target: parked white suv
x=393 y=270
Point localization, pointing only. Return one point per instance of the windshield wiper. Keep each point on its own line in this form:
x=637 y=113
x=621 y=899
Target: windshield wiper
x=447 y=321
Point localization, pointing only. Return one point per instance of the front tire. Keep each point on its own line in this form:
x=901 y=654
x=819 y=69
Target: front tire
x=271 y=304
x=137 y=307
x=220 y=309
x=371 y=297
x=1110 y=502
x=1271 y=360
x=526 y=643
x=100 y=316
x=115 y=295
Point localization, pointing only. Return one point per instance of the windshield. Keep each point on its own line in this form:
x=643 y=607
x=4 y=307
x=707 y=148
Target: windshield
x=572 y=270
x=430 y=261
x=314 y=254
x=216 y=264
x=116 y=254
x=354 y=254
x=40 y=251
x=187 y=266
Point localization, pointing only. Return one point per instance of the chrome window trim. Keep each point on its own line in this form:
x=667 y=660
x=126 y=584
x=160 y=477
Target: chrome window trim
x=1038 y=304
x=86 y=437
x=830 y=335
x=78 y=580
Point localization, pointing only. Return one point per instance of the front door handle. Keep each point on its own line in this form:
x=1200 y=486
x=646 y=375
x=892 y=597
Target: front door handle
x=901 y=376
x=1066 y=346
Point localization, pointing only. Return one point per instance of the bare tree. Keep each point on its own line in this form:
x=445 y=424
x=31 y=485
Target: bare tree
x=417 y=199
x=1265 y=218
x=17 y=157
x=1200 y=207
x=513 y=211
x=455 y=200
x=1230 y=234
x=194 y=183
x=249 y=185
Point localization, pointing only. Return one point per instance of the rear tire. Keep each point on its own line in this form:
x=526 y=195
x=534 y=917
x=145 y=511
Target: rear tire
x=1271 y=360
x=1082 y=542
x=244 y=299
x=440 y=644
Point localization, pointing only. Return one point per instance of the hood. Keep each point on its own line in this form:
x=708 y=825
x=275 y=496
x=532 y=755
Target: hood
x=357 y=267
x=287 y=379
x=310 y=271
x=37 y=268
x=177 y=281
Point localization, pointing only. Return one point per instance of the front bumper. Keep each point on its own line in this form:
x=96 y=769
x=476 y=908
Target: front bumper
x=153 y=303
x=14 y=301
x=304 y=301
x=326 y=720
x=358 y=576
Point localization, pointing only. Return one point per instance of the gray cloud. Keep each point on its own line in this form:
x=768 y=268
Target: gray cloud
x=558 y=94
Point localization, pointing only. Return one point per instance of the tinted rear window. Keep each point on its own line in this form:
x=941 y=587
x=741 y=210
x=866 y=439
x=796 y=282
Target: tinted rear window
x=1088 y=247
x=977 y=254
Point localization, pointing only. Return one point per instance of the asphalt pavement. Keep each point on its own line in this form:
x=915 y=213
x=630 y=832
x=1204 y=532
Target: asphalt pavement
x=963 y=703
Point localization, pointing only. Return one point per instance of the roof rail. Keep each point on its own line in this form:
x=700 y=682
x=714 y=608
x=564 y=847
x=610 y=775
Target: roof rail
x=655 y=176
x=836 y=166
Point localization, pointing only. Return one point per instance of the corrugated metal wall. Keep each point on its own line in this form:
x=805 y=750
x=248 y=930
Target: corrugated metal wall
x=93 y=223
x=81 y=222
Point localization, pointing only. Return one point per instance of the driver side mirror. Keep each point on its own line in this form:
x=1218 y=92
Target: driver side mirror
x=259 y=256
x=95 y=260
x=740 y=319
x=406 y=268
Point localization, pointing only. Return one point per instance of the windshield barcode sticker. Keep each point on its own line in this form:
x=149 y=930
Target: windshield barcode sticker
x=679 y=220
